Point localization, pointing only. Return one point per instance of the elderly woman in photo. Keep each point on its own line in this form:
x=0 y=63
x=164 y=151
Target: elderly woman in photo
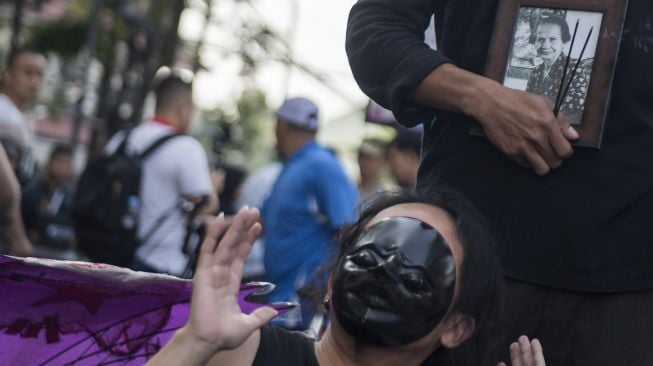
x=550 y=37
x=416 y=275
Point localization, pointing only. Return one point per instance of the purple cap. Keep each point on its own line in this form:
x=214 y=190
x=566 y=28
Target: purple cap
x=299 y=112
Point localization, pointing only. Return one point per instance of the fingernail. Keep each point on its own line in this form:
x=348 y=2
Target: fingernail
x=572 y=132
x=221 y=215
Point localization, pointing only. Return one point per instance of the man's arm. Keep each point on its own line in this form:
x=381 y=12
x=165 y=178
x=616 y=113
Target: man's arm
x=522 y=125
x=393 y=66
x=10 y=207
x=20 y=244
x=387 y=54
x=336 y=195
x=9 y=188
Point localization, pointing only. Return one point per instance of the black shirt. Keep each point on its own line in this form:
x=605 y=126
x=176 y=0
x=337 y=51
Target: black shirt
x=586 y=226
x=284 y=348
x=47 y=212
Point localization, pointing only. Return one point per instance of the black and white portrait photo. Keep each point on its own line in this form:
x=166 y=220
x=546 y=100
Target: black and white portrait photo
x=549 y=45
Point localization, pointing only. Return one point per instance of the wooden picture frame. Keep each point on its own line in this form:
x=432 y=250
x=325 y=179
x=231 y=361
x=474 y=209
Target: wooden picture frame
x=593 y=37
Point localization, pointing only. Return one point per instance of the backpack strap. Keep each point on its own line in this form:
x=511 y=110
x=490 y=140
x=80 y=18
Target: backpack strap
x=122 y=148
x=156 y=144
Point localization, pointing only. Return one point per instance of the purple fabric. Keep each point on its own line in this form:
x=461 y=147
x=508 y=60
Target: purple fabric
x=78 y=313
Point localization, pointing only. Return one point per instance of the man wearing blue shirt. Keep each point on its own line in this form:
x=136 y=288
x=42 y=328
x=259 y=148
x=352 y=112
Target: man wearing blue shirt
x=310 y=200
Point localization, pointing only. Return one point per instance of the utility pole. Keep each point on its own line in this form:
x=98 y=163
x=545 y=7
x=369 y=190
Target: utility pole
x=208 y=18
x=89 y=52
x=17 y=25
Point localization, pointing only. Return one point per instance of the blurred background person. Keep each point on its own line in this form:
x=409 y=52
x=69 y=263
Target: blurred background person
x=228 y=181
x=256 y=190
x=371 y=163
x=176 y=173
x=403 y=156
x=47 y=207
x=311 y=199
x=22 y=79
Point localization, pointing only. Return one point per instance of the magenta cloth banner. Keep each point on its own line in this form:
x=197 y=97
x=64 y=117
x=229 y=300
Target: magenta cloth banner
x=79 y=313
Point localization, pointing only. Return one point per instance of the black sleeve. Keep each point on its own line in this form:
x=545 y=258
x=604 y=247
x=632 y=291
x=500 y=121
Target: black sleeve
x=282 y=347
x=387 y=53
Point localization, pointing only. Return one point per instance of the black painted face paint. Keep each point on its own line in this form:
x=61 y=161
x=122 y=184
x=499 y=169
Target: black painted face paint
x=395 y=284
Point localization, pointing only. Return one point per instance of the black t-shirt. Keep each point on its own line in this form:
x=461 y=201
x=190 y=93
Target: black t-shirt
x=585 y=226
x=284 y=348
x=48 y=213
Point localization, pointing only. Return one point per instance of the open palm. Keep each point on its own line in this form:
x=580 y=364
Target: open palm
x=216 y=319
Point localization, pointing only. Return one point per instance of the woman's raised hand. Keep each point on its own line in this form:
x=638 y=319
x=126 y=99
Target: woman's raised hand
x=216 y=321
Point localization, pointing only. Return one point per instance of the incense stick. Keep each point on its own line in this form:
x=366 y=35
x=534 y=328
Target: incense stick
x=573 y=73
x=564 y=72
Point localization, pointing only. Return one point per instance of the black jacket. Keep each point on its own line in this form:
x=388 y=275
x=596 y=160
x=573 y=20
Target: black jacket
x=586 y=226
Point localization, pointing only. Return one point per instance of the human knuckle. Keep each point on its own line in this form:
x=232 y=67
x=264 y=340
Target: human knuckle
x=519 y=149
x=567 y=153
x=536 y=135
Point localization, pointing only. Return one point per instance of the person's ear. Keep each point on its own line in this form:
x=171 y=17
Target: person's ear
x=459 y=328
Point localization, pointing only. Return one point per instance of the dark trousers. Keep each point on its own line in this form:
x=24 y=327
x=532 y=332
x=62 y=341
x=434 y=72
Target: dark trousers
x=581 y=329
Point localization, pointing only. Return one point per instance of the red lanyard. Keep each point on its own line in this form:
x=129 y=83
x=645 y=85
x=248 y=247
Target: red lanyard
x=163 y=121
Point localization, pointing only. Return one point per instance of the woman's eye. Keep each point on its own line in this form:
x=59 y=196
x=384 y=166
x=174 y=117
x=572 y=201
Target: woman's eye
x=364 y=259
x=414 y=282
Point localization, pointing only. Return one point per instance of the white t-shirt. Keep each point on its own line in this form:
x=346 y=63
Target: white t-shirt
x=177 y=169
x=15 y=127
x=11 y=117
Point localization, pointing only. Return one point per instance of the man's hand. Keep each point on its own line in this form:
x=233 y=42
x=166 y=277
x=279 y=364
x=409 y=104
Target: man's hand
x=522 y=125
x=526 y=353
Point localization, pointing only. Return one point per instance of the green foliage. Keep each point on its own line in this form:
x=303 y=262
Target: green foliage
x=258 y=45
x=245 y=135
x=66 y=36
x=61 y=37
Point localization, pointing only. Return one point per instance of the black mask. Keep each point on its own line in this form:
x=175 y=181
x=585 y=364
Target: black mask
x=395 y=284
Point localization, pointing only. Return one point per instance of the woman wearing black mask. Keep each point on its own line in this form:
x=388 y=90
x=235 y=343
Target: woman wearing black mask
x=416 y=282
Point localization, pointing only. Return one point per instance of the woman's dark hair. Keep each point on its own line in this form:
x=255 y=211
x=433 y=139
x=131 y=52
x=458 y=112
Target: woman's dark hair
x=480 y=278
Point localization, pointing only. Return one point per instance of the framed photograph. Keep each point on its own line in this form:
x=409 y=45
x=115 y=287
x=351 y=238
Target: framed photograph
x=564 y=50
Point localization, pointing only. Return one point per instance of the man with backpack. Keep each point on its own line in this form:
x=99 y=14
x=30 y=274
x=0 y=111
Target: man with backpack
x=171 y=170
